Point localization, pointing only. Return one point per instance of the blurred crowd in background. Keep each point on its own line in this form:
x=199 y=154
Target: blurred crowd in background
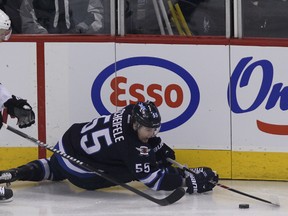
x=260 y=18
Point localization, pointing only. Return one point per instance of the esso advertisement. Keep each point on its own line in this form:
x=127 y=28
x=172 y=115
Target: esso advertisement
x=236 y=100
x=171 y=87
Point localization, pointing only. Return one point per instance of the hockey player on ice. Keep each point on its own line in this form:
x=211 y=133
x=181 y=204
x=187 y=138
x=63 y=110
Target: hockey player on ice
x=16 y=107
x=123 y=145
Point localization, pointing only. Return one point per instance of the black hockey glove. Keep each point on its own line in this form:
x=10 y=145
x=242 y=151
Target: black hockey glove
x=162 y=151
x=200 y=181
x=20 y=109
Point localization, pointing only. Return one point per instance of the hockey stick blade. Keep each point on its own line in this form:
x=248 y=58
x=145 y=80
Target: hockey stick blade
x=170 y=199
x=224 y=186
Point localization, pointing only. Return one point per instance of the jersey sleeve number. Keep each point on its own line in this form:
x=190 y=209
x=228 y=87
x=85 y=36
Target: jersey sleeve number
x=95 y=145
x=142 y=168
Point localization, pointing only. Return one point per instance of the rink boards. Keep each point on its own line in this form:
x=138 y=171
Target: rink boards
x=222 y=105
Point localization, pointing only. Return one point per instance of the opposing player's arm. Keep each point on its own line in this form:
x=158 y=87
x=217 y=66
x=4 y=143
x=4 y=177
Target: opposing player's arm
x=16 y=107
x=4 y=95
x=1 y=120
x=21 y=109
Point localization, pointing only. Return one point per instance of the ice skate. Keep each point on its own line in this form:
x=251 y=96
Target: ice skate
x=6 y=194
x=7 y=176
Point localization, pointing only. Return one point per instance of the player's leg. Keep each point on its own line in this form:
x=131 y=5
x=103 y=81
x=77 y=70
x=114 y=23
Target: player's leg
x=36 y=170
x=85 y=179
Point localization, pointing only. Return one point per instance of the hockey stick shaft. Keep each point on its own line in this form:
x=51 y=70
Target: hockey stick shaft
x=173 y=197
x=221 y=185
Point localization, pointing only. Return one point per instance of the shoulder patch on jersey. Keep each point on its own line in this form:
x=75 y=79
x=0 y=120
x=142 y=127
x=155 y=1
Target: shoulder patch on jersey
x=143 y=150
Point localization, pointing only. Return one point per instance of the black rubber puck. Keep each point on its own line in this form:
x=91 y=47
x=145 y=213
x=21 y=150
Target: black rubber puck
x=243 y=206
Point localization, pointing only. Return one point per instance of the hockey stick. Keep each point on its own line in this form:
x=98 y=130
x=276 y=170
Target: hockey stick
x=172 y=198
x=224 y=186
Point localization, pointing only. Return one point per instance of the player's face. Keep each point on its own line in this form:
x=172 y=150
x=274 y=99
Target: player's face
x=145 y=133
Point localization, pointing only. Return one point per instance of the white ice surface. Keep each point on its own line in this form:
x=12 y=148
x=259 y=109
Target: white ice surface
x=62 y=198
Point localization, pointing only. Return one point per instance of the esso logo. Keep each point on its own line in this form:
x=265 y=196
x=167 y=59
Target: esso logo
x=157 y=92
x=172 y=88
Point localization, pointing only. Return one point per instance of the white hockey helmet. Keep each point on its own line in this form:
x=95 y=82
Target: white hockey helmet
x=5 y=26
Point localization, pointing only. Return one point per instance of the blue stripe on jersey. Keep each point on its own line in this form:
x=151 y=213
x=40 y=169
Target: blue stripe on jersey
x=70 y=167
x=46 y=168
x=154 y=179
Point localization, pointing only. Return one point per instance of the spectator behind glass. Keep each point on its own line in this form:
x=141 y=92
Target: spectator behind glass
x=203 y=17
x=140 y=17
x=61 y=16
